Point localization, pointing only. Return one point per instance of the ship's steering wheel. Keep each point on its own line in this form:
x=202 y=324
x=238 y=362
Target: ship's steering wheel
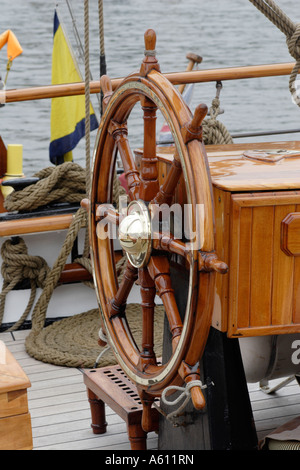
x=149 y=251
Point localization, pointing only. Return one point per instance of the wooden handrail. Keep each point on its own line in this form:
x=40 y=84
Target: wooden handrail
x=51 y=223
x=176 y=78
x=74 y=272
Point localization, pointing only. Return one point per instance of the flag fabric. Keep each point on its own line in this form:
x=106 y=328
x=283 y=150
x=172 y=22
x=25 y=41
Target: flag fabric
x=13 y=46
x=67 y=113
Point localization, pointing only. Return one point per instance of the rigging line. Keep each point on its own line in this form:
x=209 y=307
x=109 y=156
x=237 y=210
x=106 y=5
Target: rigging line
x=102 y=47
x=87 y=92
x=277 y=16
x=76 y=34
x=292 y=32
x=78 y=40
x=263 y=133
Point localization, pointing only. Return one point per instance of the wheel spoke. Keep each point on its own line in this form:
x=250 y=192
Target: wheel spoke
x=166 y=242
x=159 y=270
x=120 y=133
x=166 y=192
x=148 y=293
x=118 y=304
x=108 y=212
x=149 y=171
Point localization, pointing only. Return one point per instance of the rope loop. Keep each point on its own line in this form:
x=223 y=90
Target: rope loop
x=214 y=110
x=18 y=265
x=150 y=53
x=293 y=43
x=185 y=395
x=214 y=131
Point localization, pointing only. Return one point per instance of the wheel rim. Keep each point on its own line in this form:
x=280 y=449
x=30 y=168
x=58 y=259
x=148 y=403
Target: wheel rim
x=147 y=374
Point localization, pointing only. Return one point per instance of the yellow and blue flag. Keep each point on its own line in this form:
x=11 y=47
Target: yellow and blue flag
x=67 y=113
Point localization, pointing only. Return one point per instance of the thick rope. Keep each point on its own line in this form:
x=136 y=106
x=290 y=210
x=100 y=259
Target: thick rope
x=185 y=395
x=87 y=93
x=214 y=131
x=73 y=341
x=40 y=309
x=103 y=70
x=292 y=32
x=64 y=182
x=18 y=265
x=101 y=27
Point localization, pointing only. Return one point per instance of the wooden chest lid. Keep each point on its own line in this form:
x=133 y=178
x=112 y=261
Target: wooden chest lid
x=255 y=167
x=12 y=376
x=251 y=167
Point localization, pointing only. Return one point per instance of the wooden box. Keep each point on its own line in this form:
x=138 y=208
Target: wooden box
x=15 y=421
x=257 y=214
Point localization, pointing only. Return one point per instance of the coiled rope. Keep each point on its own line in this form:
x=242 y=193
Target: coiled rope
x=214 y=131
x=292 y=32
x=65 y=182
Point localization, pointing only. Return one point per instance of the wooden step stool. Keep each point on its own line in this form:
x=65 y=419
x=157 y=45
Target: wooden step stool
x=15 y=421
x=111 y=385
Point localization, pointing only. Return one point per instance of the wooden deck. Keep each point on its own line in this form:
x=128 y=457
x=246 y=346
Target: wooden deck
x=60 y=411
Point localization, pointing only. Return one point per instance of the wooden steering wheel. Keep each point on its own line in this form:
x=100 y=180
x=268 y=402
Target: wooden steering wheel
x=149 y=252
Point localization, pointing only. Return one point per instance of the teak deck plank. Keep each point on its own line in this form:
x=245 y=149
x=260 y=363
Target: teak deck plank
x=60 y=411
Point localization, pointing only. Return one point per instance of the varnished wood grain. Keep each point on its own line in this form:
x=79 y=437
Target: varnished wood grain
x=262 y=241
x=35 y=224
x=177 y=78
x=283 y=276
x=15 y=433
x=264 y=293
x=290 y=230
x=222 y=217
x=15 y=422
x=260 y=294
x=296 y=287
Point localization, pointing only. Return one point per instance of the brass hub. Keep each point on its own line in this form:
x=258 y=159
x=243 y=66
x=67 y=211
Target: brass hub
x=135 y=234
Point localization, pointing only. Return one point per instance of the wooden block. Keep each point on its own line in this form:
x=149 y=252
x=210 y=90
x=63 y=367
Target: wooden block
x=12 y=376
x=13 y=403
x=15 y=422
x=290 y=239
x=15 y=433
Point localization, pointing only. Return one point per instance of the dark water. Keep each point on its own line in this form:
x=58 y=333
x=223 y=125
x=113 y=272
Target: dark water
x=226 y=33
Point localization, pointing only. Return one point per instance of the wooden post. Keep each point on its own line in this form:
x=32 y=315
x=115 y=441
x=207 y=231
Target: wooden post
x=3 y=167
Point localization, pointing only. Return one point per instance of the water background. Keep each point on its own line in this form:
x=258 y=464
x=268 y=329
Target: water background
x=226 y=33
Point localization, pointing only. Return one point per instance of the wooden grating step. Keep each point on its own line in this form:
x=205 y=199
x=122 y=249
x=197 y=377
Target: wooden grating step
x=111 y=386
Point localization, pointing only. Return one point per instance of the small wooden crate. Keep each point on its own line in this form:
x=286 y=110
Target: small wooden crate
x=15 y=421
